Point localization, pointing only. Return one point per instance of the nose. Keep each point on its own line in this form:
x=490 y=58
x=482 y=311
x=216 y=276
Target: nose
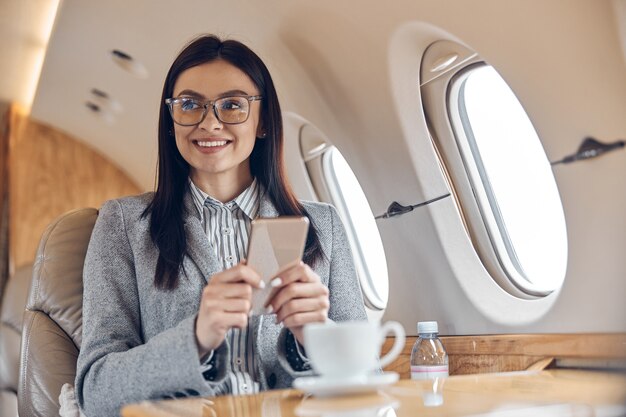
x=210 y=122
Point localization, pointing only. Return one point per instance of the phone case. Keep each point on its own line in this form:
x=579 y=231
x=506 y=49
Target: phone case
x=275 y=244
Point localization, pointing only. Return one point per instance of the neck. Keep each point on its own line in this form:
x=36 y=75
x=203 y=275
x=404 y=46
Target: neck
x=223 y=188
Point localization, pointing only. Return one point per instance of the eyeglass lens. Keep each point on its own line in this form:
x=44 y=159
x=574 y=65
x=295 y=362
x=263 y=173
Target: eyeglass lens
x=189 y=111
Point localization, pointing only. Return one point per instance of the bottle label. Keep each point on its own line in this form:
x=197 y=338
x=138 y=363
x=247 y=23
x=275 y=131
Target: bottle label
x=429 y=372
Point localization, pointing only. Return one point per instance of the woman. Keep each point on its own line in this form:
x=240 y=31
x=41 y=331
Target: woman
x=166 y=288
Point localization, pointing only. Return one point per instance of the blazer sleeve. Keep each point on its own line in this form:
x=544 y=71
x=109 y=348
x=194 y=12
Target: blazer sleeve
x=345 y=295
x=115 y=365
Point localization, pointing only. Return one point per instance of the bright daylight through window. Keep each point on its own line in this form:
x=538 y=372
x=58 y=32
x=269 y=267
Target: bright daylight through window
x=519 y=188
x=367 y=246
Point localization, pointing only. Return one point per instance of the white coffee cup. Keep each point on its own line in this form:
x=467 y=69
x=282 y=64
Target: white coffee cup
x=350 y=349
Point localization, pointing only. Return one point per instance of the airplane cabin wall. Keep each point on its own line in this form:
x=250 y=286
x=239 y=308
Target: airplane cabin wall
x=51 y=173
x=562 y=58
x=351 y=69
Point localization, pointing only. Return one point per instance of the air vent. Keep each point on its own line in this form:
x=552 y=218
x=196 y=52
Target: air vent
x=103 y=105
x=93 y=107
x=99 y=93
x=121 y=55
x=129 y=64
x=105 y=101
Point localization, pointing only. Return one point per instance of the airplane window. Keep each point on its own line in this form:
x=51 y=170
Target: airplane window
x=334 y=182
x=518 y=197
x=348 y=196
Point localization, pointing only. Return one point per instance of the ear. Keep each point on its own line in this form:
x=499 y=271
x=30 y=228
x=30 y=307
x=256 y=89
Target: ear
x=261 y=133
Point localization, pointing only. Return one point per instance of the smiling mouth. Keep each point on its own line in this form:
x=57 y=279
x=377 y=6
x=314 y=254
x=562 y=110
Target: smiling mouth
x=211 y=143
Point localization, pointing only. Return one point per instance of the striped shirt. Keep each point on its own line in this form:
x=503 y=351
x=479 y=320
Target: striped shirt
x=227 y=226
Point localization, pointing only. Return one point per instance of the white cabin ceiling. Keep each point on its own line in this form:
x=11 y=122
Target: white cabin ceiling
x=289 y=35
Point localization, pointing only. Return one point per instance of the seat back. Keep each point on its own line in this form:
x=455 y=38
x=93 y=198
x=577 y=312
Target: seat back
x=51 y=336
x=14 y=300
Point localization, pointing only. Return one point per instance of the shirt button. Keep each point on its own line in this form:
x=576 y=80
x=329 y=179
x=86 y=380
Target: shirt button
x=244 y=387
x=229 y=258
x=238 y=361
x=226 y=231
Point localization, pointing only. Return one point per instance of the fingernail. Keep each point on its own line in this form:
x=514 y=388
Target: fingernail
x=269 y=309
x=276 y=282
x=262 y=284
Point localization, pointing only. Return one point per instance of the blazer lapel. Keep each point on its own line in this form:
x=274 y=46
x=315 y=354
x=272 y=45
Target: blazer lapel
x=198 y=246
x=266 y=207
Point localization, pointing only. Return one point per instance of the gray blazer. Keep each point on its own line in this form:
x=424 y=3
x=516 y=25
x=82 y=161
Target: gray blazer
x=139 y=342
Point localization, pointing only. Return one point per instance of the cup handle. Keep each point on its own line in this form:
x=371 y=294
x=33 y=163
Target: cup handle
x=398 y=331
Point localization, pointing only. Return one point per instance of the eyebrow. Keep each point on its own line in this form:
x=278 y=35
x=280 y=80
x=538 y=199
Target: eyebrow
x=229 y=93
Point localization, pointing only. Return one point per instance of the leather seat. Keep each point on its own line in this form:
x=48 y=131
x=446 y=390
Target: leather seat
x=14 y=299
x=52 y=329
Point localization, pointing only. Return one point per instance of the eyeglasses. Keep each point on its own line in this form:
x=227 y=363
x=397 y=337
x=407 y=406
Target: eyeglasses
x=187 y=111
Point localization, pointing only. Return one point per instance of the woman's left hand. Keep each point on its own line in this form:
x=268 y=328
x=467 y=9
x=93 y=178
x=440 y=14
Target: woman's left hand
x=301 y=299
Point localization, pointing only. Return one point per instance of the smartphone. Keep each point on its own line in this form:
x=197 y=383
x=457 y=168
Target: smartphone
x=275 y=244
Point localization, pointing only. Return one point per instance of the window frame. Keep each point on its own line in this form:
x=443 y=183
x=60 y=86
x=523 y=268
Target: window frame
x=477 y=207
x=366 y=277
x=317 y=155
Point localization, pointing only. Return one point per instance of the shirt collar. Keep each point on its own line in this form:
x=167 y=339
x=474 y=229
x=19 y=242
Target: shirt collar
x=248 y=201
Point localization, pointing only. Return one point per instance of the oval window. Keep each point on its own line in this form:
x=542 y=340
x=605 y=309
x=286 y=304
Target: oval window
x=334 y=182
x=348 y=196
x=518 y=191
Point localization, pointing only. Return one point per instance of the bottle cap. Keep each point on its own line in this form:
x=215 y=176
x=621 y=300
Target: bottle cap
x=427 y=327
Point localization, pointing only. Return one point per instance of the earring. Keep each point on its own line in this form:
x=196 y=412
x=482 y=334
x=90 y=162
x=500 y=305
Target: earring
x=263 y=135
x=169 y=132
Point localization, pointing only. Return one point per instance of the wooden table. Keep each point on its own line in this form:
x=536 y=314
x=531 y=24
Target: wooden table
x=556 y=392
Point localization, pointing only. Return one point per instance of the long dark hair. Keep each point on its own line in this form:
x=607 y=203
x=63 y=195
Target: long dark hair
x=166 y=209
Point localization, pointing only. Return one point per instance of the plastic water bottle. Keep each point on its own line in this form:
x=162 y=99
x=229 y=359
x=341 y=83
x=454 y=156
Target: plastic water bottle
x=429 y=359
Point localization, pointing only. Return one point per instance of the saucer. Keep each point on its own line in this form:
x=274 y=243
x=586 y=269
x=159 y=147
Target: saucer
x=326 y=387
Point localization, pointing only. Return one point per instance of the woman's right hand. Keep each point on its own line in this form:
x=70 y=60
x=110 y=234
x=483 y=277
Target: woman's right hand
x=225 y=303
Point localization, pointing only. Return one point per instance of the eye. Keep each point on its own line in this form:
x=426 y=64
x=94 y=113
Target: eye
x=232 y=104
x=188 y=104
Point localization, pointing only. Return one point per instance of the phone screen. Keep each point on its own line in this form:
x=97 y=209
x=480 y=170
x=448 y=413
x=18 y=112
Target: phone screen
x=275 y=244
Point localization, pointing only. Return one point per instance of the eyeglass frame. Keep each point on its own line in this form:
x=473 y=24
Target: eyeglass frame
x=171 y=101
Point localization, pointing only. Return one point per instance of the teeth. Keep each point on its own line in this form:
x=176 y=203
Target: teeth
x=213 y=143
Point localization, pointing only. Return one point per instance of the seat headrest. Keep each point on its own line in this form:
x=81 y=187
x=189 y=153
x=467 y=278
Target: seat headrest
x=57 y=286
